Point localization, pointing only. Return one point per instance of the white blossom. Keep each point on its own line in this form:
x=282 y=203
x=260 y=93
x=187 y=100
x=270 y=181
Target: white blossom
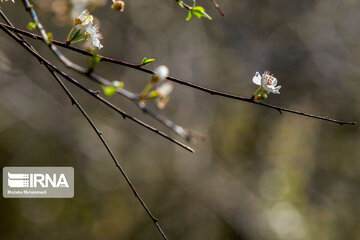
x=85 y=18
x=92 y=31
x=267 y=81
x=164 y=91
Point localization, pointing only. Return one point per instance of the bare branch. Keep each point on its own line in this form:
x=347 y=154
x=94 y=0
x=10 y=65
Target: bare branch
x=182 y=82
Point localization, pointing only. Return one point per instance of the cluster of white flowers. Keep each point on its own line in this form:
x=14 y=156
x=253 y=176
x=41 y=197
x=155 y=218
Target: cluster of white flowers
x=92 y=31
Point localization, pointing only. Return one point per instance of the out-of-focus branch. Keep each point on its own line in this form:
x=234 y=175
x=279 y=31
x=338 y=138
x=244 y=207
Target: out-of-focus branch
x=182 y=82
x=101 y=80
x=217 y=6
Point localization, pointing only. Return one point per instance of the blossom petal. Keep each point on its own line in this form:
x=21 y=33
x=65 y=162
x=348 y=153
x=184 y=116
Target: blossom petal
x=95 y=36
x=165 y=89
x=275 y=91
x=257 y=78
x=161 y=72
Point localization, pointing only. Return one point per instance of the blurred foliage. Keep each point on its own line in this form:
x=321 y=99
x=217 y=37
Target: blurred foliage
x=259 y=174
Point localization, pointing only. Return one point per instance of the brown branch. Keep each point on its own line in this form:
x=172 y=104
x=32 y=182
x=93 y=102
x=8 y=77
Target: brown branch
x=182 y=82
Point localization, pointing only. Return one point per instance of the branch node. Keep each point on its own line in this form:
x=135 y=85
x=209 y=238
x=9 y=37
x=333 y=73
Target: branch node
x=96 y=93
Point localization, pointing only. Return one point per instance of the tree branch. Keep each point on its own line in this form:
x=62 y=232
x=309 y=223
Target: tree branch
x=182 y=82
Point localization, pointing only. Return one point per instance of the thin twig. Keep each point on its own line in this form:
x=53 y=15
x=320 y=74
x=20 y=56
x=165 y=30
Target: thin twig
x=182 y=82
x=217 y=6
x=186 y=6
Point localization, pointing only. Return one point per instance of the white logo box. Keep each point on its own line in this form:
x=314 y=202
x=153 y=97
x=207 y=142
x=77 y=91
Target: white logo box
x=38 y=182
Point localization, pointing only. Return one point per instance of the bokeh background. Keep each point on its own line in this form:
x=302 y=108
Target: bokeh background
x=258 y=174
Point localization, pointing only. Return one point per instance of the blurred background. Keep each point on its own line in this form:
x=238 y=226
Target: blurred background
x=258 y=174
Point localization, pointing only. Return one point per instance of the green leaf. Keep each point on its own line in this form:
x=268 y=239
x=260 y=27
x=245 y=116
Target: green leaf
x=76 y=35
x=31 y=26
x=147 y=61
x=180 y=4
x=207 y=15
x=189 y=15
x=198 y=8
x=199 y=12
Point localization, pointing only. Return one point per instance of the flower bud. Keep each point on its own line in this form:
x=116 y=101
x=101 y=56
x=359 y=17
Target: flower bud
x=160 y=74
x=164 y=94
x=118 y=5
x=263 y=95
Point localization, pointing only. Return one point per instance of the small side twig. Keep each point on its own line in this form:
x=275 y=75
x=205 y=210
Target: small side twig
x=217 y=6
x=186 y=6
